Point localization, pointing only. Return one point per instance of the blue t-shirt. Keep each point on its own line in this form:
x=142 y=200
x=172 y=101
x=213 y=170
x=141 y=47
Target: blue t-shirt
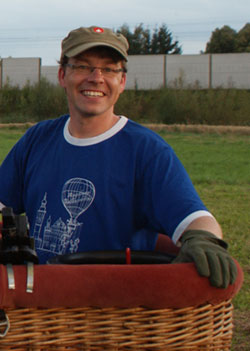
x=113 y=191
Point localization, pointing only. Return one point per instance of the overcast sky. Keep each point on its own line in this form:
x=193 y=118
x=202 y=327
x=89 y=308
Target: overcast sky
x=35 y=28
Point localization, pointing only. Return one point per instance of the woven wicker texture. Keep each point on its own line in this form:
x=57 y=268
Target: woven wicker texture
x=208 y=327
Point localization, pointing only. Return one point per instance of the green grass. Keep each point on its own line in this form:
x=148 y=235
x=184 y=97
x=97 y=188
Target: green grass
x=8 y=138
x=219 y=166
x=213 y=159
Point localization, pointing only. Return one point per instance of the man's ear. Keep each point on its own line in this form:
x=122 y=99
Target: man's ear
x=123 y=82
x=61 y=75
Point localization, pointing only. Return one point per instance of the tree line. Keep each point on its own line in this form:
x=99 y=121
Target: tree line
x=228 y=40
x=143 y=42
x=223 y=40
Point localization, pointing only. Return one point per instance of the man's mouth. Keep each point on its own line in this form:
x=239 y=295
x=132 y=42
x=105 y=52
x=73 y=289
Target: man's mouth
x=92 y=93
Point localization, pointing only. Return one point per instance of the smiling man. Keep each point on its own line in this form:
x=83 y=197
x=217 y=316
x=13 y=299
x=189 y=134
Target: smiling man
x=93 y=75
x=93 y=180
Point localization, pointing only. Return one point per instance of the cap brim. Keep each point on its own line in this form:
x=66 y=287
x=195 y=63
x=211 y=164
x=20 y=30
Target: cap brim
x=81 y=48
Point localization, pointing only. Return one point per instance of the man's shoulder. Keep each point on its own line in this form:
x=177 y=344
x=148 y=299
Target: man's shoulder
x=141 y=133
x=49 y=124
x=42 y=132
x=45 y=129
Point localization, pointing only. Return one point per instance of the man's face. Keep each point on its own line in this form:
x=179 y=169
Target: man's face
x=95 y=93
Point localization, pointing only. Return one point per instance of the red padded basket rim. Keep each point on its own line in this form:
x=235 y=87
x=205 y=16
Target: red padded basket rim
x=124 y=286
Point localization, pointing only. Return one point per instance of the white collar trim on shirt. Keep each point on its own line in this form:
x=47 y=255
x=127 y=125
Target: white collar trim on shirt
x=97 y=139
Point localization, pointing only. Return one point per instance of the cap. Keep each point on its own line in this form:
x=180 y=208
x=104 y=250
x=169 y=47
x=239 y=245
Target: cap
x=82 y=39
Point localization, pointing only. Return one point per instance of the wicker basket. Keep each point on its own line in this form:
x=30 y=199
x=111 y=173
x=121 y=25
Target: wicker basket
x=136 y=307
x=208 y=327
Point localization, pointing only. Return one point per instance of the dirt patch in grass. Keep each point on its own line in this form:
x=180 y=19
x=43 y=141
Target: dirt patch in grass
x=188 y=128
x=241 y=338
x=16 y=125
x=200 y=128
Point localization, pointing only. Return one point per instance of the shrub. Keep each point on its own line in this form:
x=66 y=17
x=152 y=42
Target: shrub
x=187 y=106
x=32 y=103
x=170 y=106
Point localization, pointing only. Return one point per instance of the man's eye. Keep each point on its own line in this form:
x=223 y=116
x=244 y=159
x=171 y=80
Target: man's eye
x=84 y=68
x=107 y=70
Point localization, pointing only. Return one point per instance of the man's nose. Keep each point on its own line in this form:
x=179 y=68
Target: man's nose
x=96 y=74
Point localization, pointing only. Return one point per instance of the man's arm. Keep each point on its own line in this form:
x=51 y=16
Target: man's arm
x=206 y=223
x=202 y=243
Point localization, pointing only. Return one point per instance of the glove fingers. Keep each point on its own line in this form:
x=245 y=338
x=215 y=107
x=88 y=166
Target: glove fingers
x=182 y=258
x=215 y=265
x=220 y=269
x=229 y=270
x=233 y=271
x=202 y=265
x=223 y=270
x=198 y=257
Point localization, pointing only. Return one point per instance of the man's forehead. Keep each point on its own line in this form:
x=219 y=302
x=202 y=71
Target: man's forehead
x=100 y=52
x=88 y=56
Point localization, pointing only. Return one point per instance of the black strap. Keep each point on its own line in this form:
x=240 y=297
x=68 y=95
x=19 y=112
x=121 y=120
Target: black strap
x=4 y=324
x=112 y=257
x=16 y=245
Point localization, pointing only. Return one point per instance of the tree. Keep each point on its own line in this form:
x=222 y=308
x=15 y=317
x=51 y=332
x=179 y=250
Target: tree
x=139 y=40
x=162 y=42
x=223 y=40
x=142 y=43
x=243 y=39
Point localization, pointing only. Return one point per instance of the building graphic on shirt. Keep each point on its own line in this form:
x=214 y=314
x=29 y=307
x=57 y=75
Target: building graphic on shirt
x=58 y=237
x=39 y=221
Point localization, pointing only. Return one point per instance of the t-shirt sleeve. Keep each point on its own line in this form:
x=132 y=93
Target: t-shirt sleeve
x=11 y=178
x=167 y=196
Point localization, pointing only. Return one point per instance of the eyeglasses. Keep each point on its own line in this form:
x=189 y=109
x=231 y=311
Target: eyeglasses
x=86 y=70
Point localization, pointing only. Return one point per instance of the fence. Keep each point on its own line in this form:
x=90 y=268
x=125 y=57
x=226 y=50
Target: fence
x=150 y=71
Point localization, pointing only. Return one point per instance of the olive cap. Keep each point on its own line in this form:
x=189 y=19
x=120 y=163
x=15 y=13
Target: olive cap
x=82 y=39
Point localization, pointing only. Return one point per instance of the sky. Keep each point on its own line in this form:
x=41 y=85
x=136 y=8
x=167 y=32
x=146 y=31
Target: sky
x=35 y=28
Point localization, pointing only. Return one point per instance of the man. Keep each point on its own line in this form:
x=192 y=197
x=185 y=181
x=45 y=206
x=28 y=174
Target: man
x=92 y=180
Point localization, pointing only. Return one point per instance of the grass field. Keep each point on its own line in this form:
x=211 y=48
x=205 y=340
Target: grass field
x=219 y=166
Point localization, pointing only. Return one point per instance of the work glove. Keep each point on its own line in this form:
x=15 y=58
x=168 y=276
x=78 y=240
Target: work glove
x=210 y=256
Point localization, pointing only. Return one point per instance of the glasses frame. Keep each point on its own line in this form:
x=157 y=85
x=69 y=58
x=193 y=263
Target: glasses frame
x=87 y=70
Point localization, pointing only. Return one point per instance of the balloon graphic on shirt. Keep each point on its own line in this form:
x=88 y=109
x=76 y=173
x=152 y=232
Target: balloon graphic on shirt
x=77 y=195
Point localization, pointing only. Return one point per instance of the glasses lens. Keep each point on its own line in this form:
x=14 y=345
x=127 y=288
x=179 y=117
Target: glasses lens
x=110 y=72
x=85 y=70
x=105 y=71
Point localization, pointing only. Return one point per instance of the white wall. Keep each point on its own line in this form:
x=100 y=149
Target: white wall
x=231 y=70
x=184 y=71
x=145 y=72
x=17 y=71
x=151 y=71
x=50 y=73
